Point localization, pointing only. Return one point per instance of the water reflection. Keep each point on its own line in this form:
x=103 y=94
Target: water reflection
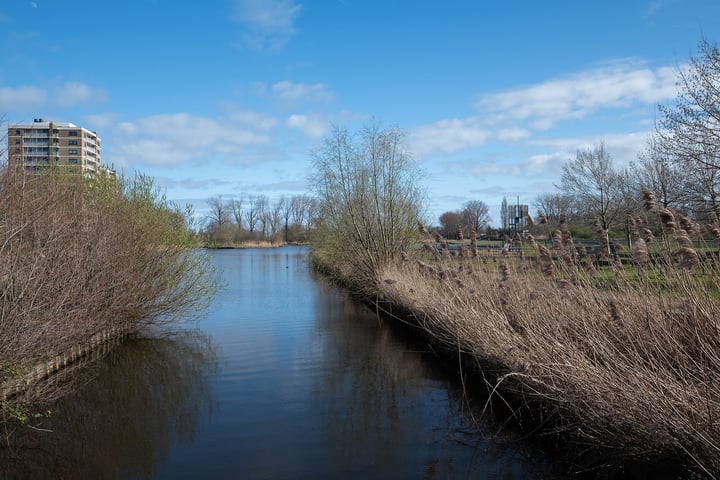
x=402 y=416
x=288 y=378
x=130 y=408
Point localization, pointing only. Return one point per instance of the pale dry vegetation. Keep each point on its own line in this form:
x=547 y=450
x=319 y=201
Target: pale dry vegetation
x=613 y=356
x=81 y=256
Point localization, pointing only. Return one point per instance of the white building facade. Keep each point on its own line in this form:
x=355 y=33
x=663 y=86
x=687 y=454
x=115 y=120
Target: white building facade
x=43 y=144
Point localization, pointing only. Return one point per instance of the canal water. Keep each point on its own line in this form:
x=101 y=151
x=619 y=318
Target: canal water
x=285 y=377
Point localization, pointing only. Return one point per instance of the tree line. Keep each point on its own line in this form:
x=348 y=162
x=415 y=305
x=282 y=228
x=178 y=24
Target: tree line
x=680 y=164
x=252 y=218
x=458 y=224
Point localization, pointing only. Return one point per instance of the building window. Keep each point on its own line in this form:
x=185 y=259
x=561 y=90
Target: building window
x=72 y=133
x=17 y=132
x=72 y=152
x=72 y=160
x=72 y=142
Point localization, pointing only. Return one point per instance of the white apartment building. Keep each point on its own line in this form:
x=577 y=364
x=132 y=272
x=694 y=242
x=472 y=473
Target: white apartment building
x=42 y=144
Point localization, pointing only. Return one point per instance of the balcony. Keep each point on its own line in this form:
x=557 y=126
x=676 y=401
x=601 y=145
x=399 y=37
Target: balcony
x=36 y=151
x=36 y=134
x=34 y=161
x=41 y=142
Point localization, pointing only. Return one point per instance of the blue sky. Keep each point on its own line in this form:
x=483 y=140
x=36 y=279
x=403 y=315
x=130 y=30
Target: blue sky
x=228 y=97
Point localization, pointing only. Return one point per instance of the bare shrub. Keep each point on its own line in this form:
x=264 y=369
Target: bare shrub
x=80 y=256
x=369 y=202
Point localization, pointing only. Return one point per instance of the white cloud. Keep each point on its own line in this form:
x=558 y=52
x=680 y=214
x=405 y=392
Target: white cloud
x=248 y=118
x=622 y=147
x=289 y=91
x=102 y=121
x=22 y=99
x=268 y=24
x=174 y=139
x=27 y=99
x=544 y=158
x=77 y=93
x=448 y=136
x=191 y=183
x=514 y=115
x=512 y=134
x=654 y=7
x=581 y=94
x=313 y=125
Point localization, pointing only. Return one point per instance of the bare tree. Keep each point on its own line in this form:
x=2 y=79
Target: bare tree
x=284 y=209
x=314 y=213
x=689 y=131
x=369 y=196
x=475 y=215
x=219 y=214
x=552 y=205
x=631 y=202
x=252 y=215
x=450 y=222
x=591 y=180
x=299 y=209
x=261 y=209
x=504 y=214
x=275 y=219
x=236 y=208
x=659 y=172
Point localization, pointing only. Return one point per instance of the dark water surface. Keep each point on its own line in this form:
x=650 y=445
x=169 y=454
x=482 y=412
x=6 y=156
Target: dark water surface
x=286 y=377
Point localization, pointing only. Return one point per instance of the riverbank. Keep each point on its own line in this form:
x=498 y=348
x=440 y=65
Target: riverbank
x=251 y=244
x=85 y=260
x=623 y=371
x=619 y=369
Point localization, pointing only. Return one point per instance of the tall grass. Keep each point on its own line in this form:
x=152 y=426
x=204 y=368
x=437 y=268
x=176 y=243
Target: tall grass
x=619 y=357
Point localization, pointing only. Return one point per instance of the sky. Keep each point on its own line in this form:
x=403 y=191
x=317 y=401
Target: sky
x=228 y=98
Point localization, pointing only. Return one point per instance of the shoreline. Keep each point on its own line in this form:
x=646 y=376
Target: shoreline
x=506 y=354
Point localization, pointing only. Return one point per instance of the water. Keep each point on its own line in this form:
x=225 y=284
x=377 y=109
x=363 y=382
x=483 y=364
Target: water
x=285 y=377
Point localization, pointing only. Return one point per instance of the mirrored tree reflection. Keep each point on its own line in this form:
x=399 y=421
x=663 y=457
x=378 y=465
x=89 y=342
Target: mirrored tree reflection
x=401 y=402
x=125 y=413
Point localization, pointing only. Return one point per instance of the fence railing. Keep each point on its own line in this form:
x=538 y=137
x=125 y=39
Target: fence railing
x=96 y=346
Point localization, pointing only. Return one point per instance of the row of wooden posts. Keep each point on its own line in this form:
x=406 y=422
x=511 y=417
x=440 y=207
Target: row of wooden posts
x=98 y=345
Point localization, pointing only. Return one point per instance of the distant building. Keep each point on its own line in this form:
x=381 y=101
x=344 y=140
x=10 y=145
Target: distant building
x=43 y=144
x=517 y=219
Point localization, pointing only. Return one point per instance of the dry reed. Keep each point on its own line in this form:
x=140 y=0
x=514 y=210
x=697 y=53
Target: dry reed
x=632 y=366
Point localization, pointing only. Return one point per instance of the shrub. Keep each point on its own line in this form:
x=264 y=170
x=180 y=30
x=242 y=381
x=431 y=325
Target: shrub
x=79 y=256
x=369 y=202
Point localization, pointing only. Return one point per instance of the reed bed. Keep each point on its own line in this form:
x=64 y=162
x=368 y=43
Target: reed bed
x=613 y=356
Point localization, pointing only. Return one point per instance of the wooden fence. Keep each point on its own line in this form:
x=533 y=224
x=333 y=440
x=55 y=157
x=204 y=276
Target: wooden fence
x=97 y=346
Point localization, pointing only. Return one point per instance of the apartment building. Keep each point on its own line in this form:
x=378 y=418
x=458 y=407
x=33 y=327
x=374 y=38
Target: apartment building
x=42 y=144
